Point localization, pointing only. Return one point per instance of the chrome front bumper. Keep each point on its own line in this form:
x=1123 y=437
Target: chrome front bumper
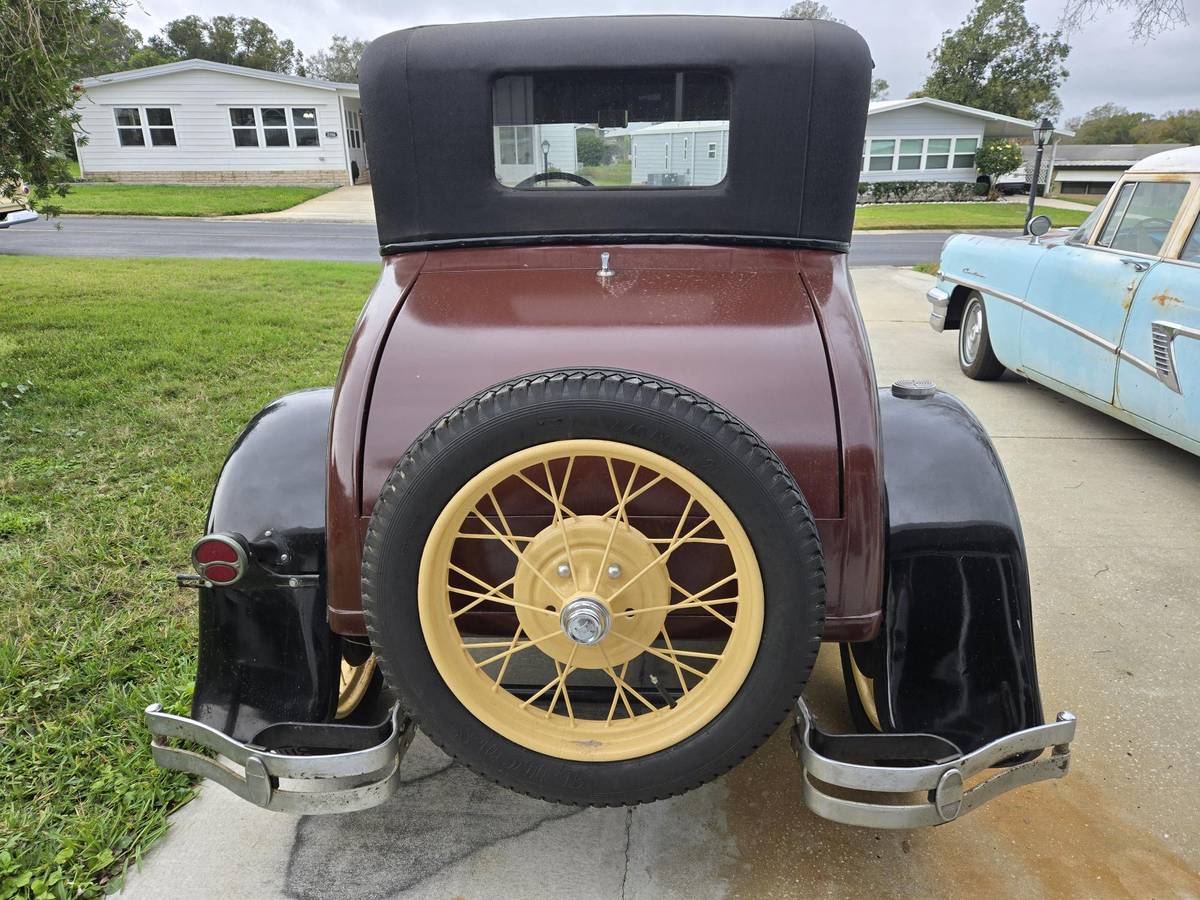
x=363 y=772
x=939 y=300
x=872 y=764
x=18 y=217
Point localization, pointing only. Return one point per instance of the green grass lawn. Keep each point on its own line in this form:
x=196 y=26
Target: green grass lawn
x=928 y=268
x=618 y=173
x=181 y=200
x=123 y=384
x=956 y=215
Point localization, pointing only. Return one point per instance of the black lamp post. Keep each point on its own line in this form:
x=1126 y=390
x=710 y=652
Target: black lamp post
x=1041 y=134
x=546 y=156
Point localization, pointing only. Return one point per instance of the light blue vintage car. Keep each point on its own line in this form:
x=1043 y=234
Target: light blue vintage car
x=1108 y=314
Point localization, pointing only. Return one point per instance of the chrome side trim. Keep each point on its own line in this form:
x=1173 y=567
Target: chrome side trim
x=943 y=782
x=1089 y=336
x=18 y=217
x=330 y=783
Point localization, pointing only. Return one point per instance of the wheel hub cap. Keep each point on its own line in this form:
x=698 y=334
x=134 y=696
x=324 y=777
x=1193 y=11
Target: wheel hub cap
x=586 y=620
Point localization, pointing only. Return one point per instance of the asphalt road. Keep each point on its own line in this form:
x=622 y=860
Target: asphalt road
x=143 y=236
x=1111 y=523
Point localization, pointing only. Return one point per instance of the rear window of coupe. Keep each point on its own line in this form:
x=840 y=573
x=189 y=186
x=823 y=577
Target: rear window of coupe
x=617 y=128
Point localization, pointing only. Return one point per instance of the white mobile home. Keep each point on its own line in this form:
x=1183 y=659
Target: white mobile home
x=202 y=122
x=921 y=139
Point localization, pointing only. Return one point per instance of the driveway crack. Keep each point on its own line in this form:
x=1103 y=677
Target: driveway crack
x=628 y=836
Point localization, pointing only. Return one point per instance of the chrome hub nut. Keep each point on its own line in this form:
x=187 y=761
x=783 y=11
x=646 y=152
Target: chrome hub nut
x=585 y=621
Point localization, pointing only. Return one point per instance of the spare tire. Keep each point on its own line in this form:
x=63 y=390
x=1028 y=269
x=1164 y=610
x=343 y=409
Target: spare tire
x=594 y=587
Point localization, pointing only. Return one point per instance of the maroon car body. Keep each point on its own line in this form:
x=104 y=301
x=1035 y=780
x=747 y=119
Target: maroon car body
x=772 y=335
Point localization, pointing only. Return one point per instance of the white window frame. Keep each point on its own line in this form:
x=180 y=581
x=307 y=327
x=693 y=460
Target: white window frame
x=145 y=126
x=289 y=114
x=713 y=150
x=865 y=162
x=685 y=149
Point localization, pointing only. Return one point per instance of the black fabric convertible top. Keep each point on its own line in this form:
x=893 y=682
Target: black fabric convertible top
x=799 y=94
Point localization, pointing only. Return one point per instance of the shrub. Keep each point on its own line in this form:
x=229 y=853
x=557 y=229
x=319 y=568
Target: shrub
x=919 y=191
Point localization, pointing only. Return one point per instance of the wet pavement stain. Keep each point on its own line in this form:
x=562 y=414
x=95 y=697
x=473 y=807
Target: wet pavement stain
x=435 y=820
x=1057 y=839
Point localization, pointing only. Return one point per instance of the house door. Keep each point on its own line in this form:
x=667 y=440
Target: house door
x=515 y=159
x=354 y=141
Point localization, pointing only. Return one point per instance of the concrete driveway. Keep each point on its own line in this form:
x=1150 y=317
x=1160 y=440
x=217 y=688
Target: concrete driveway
x=351 y=204
x=1112 y=520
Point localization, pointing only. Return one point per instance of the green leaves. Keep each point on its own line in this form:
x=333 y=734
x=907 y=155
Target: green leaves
x=999 y=61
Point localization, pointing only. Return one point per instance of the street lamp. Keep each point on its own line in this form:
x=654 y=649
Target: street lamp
x=546 y=156
x=1041 y=133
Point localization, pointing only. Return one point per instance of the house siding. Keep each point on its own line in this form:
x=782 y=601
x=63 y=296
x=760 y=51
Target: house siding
x=649 y=152
x=922 y=122
x=199 y=101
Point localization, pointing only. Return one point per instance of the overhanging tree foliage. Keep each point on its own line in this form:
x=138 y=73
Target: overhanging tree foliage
x=337 y=63
x=1149 y=18
x=45 y=43
x=235 y=40
x=998 y=60
x=809 y=9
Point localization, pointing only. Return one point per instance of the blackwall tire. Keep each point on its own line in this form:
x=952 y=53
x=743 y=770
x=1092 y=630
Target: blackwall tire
x=631 y=423
x=975 y=355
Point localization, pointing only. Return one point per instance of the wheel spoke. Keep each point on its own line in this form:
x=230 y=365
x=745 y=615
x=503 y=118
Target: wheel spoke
x=654 y=651
x=678 y=671
x=541 y=490
x=493 y=594
x=501 y=599
x=645 y=487
x=563 y=671
x=521 y=560
x=617 y=691
x=504 y=665
x=664 y=556
x=622 y=500
x=558 y=514
x=514 y=650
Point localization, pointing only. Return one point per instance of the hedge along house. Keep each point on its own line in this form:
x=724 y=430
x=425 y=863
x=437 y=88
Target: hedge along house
x=203 y=122
x=921 y=139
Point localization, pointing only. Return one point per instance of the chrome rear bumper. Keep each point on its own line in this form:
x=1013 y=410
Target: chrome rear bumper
x=18 y=217
x=854 y=762
x=363 y=772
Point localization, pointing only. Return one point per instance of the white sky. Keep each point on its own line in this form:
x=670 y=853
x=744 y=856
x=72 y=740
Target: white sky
x=1105 y=66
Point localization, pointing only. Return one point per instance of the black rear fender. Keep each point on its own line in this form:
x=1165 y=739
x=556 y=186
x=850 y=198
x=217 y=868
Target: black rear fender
x=266 y=652
x=955 y=656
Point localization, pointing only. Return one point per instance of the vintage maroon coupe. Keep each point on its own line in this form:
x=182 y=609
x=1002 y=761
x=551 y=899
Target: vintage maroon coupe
x=606 y=461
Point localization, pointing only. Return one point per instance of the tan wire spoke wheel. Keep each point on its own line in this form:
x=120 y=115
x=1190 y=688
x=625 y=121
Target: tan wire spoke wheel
x=591 y=594
x=354 y=684
x=593 y=587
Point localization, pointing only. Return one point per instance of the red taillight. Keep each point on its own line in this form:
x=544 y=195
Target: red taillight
x=214 y=551
x=219 y=558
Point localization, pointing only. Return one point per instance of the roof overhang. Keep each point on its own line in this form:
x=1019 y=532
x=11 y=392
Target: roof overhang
x=997 y=125
x=189 y=65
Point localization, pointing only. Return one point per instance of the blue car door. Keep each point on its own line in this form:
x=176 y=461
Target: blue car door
x=1158 y=379
x=1080 y=295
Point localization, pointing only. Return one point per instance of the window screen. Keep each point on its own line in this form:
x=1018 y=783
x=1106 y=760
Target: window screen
x=610 y=129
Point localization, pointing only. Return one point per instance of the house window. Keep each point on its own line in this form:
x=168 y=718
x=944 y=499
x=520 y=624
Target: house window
x=274 y=126
x=516 y=145
x=937 y=153
x=304 y=126
x=910 y=153
x=245 y=127
x=712 y=150
x=145 y=126
x=685 y=149
x=964 y=152
x=881 y=155
x=353 y=133
x=667 y=154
